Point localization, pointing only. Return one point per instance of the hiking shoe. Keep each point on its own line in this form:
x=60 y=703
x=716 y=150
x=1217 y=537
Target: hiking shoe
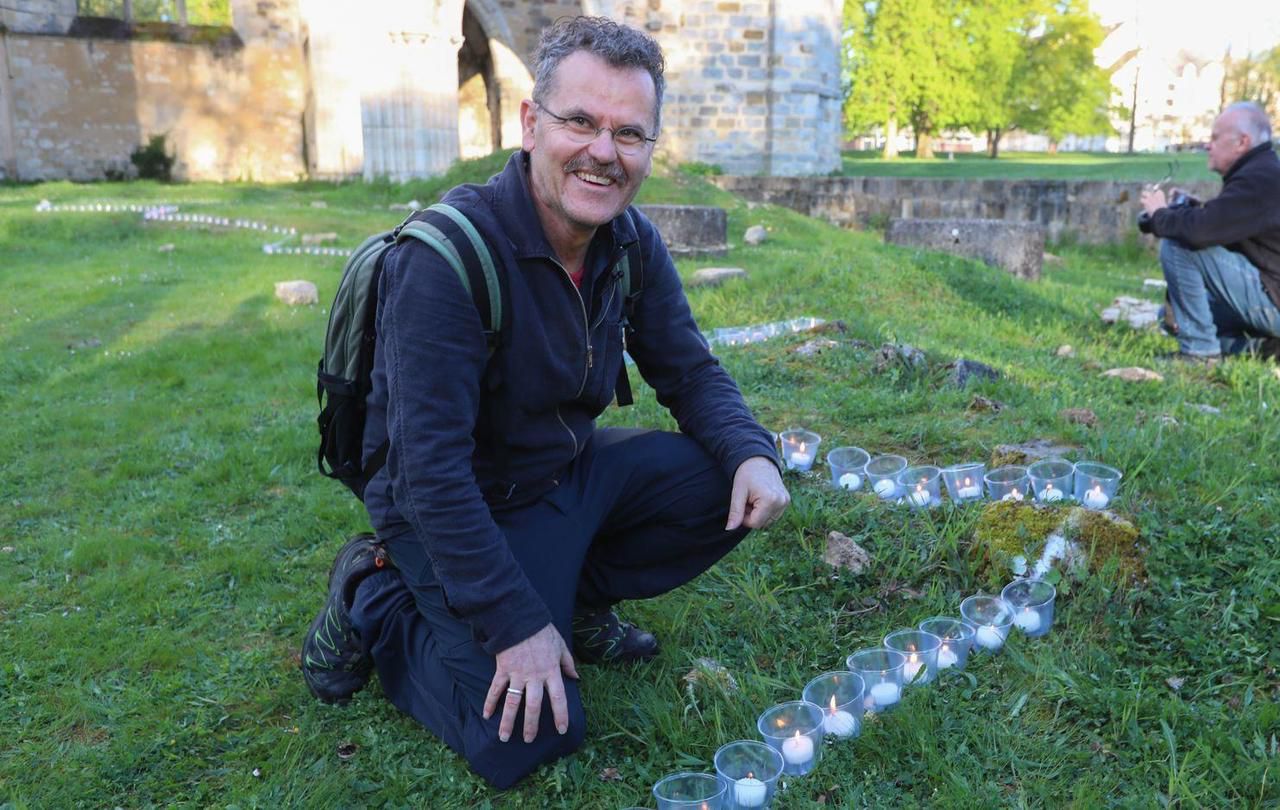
x=1270 y=349
x=602 y=638
x=1202 y=360
x=334 y=662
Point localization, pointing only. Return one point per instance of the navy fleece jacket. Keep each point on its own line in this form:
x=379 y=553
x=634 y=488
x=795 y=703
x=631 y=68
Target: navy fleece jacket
x=470 y=435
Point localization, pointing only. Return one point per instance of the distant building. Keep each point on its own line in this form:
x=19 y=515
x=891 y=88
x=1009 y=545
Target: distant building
x=283 y=89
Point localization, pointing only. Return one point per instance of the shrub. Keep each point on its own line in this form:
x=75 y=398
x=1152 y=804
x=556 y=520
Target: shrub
x=153 y=160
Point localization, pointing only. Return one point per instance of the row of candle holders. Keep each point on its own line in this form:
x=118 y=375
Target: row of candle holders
x=832 y=705
x=891 y=478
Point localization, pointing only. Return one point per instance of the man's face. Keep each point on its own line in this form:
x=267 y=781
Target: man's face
x=581 y=186
x=1226 y=143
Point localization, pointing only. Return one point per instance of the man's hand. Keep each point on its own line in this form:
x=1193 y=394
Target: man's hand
x=1152 y=200
x=532 y=668
x=758 y=495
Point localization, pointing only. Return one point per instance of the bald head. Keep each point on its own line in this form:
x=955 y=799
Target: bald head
x=1239 y=128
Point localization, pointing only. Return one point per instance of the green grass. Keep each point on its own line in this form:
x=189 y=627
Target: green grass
x=1189 y=167
x=170 y=536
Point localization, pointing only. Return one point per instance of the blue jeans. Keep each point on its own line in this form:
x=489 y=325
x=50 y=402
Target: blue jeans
x=639 y=514
x=1217 y=299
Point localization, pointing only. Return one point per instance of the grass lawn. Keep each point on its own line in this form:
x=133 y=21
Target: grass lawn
x=166 y=537
x=1188 y=167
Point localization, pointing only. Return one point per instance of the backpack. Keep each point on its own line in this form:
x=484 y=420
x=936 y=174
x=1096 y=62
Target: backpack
x=345 y=370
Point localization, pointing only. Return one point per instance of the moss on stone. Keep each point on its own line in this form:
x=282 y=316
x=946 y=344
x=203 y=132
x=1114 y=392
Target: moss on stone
x=1103 y=535
x=1007 y=530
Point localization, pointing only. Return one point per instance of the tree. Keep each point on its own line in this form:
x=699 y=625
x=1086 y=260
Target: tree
x=908 y=62
x=1255 y=77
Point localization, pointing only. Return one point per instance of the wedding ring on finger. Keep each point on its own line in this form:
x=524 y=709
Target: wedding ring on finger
x=511 y=690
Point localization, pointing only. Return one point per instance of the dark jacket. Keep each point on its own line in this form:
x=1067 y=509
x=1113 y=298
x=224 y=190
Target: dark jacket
x=1243 y=218
x=447 y=407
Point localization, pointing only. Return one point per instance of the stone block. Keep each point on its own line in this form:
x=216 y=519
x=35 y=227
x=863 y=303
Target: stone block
x=715 y=276
x=1016 y=247
x=690 y=229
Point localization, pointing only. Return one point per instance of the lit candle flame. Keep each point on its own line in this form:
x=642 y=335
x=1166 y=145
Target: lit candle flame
x=967 y=482
x=801 y=447
x=833 y=704
x=1048 y=487
x=1015 y=492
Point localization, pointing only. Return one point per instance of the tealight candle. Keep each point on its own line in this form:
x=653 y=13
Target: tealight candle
x=1028 y=620
x=1096 y=498
x=850 y=481
x=919 y=497
x=988 y=637
x=800 y=458
x=946 y=658
x=797 y=750
x=749 y=791
x=885 y=694
x=839 y=723
x=885 y=488
x=1012 y=495
x=1050 y=493
x=969 y=489
x=912 y=668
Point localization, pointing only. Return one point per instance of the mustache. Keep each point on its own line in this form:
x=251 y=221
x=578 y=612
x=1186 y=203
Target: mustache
x=586 y=163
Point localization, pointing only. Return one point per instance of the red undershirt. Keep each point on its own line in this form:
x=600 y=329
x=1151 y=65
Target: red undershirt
x=578 y=276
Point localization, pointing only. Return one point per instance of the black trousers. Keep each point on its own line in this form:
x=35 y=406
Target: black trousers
x=640 y=513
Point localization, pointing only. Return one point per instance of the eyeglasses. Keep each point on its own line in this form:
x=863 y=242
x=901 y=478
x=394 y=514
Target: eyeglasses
x=581 y=129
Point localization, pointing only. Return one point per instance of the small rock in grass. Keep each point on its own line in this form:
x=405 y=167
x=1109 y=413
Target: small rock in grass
x=842 y=552
x=1155 y=283
x=319 y=204
x=1065 y=350
x=1134 y=374
x=1079 y=416
x=166 y=248
x=981 y=403
x=709 y=672
x=1050 y=258
x=816 y=346
x=7 y=549
x=891 y=354
x=84 y=343
x=1175 y=683
x=610 y=775
x=755 y=235
x=319 y=238
x=963 y=371
x=1139 y=313
x=297 y=293
x=347 y=750
x=715 y=276
x=1209 y=409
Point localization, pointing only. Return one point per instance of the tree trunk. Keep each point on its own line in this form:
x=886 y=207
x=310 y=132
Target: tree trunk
x=890 y=139
x=924 y=145
x=1053 y=147
x=993 y=142
x=1133 y=110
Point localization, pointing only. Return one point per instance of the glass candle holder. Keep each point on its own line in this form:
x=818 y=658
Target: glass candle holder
x=749 y=772
x=882 y=476
x=1051 y=480
x=1096 y=484
x=1008 y=483
x=1032 y=603
x=799 y=448
x=848 y=467
x=881 y=672
x=990 y=618
x=794 y=729
x=840 y=696
x=955 y=640
x=964 y=481
x=921 y=650
x=689 y=791
x=921 y=486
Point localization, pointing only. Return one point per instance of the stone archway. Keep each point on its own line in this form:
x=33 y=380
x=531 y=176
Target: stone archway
x=480 y=99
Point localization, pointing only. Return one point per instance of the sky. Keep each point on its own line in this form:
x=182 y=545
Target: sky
x=1203 y=27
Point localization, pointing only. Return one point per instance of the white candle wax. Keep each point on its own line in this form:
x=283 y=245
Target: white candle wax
x=797 y=750
x=801 y=460
x=1012 y=495
x=885 y=488
x=912 y=668
x=969 y=491
x=850 y=480
x=885 y=694
x=988 y=637
x=839 y=723
x=946 y=658
x=920 y=497
x=1050 y=493
x=750 y=792
x=1095 y=498
x=1028 y=620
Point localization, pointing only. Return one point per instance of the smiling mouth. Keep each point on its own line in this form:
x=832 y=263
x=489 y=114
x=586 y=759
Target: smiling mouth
x=594 y=179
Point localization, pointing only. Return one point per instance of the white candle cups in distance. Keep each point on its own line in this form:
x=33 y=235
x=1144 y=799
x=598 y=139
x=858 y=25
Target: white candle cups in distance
x=1096 y=484
x=955 y=640
x=964 y=481
x=749 y=772
x=1051 y=480
x=881 y=672
x=794 y=729
x=689 y=791
x=840 y=696
x=921 y=650
x=1008 y=484
x=1032 y=603
x=799 y=448
x=848 y=467
x=990 y=618
x=921 y=486
x=882 y=476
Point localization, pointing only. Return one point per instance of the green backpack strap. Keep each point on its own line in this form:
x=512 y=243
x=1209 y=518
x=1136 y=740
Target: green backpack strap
x=631 y=267
x=449 y=232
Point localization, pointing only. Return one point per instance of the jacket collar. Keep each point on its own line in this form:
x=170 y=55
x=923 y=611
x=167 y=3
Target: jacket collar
x=1260 y=149
x=519 y=218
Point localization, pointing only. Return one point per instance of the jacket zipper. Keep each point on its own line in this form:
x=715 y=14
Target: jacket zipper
x=587 y=366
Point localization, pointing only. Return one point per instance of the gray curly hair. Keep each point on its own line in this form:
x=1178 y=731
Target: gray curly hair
x=618 y=45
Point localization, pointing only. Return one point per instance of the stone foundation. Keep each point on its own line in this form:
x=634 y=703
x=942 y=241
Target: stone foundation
x=1017 y=247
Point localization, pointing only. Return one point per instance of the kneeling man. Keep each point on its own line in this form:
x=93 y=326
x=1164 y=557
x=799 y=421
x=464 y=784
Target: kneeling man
x=1222 y=259
x=507 y=526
